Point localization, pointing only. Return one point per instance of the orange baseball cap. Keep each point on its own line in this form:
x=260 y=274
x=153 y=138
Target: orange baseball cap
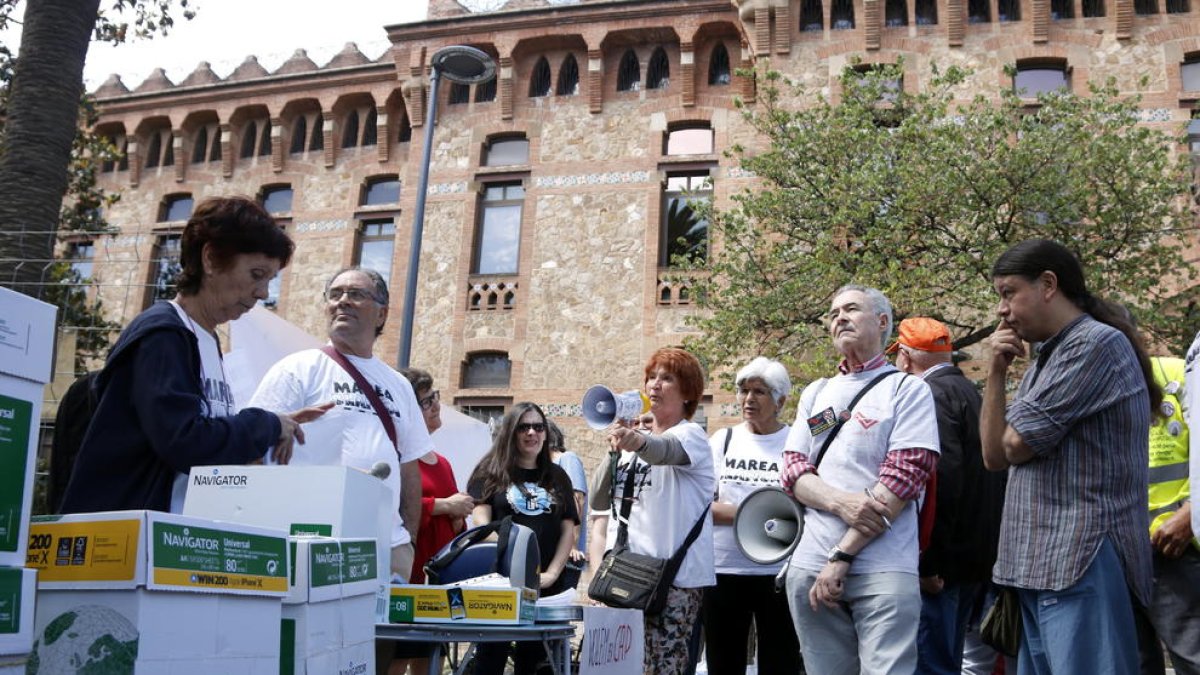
x=923 y=333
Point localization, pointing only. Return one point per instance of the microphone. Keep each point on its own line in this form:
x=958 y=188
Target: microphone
x=381 y=470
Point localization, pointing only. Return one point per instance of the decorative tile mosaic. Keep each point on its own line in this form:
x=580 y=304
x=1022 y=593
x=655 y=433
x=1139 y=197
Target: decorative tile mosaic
x=562 y=409
x=739 y=172
x=321 y=226
x=446 y=188
x=609 y=178
x=1155 y=115
x=730 y=410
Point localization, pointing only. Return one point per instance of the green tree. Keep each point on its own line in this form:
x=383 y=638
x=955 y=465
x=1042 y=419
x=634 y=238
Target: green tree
x=917 y=194
x=40 y=113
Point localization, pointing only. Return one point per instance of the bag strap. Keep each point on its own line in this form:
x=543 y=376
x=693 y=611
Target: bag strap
x=365 y=387
x=849 y=410
x=501 y=527
x=677 y=559
x=626 y=503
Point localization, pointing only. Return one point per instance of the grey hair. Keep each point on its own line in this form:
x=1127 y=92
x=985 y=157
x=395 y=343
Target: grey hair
x=771 y=372
x=879 y=305
x=380 y=295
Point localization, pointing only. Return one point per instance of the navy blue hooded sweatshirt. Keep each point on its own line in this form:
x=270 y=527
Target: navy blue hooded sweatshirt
x=149 y=423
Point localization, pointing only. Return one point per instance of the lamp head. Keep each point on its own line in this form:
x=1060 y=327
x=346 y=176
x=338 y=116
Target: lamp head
x=464 y=65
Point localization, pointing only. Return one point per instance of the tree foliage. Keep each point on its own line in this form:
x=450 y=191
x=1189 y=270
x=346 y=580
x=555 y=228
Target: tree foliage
x=917 y=194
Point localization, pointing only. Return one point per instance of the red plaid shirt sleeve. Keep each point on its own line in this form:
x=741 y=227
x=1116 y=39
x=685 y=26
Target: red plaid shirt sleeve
x=906 y=471
x=795 y=464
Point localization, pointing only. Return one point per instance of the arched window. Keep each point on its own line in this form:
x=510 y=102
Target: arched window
x=629 y=74
x=487 y=370
x=317 y=141
x=169 y=153
x=810 y=16
x=841 y=15
x=214 y=155
x=175 y=208
x=276 y=199
x=123 y=164
x=249 y=138
x=568 y=77
x=539 y=81
x=486 y=91
x=371 y=128
x=979 y=12
x=459 y=93
x=1010 y=10
x=1041 y=77
x=896 y=14
x=350 y=131
x=154 y=151
x=658 y=72
x=1093 y=8
x=299 y=134
x=381 y=190
x=506 y=151
x=200 y=146
x=1189 y=73
x=926 y=12
x=718 y=65
x=264 y=143
x=1062 y=9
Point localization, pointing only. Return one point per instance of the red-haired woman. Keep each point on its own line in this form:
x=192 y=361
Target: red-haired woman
x=673 y=484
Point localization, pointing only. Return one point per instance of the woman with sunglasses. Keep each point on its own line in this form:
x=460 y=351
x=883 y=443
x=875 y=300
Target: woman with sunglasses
x=517 y=478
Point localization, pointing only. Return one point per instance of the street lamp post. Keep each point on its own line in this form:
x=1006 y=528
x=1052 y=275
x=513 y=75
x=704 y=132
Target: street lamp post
x=464 y=65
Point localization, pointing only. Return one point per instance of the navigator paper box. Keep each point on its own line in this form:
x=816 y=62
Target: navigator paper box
x=150 y=592
x=411 y=603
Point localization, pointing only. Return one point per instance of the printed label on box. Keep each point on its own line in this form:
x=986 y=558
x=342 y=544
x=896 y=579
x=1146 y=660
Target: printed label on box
x=10 y=600
x=325 y=563
x=16 y=416
x=360 y=561
x=311 y=529
x=84 y=551
x=198 y=557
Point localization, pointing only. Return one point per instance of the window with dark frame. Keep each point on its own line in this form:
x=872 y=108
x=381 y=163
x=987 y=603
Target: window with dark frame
x=810 y=16
x=317 y=142
x=1008 y=10
x=169 y=152
x=81 y=255
x=718 y=66
x=249 y=138
x=658 y=71
x=165 y=267
x=176 y=208
x=498 y=235
x=459 y=93
x=1189 y=73
x=1145 y=7
x=1037 y=78
x=299 y=135
x=370 y=128
x=376 y=244
x=154 y=151
x=979 y=11
x=381 y=191
x=350 y=130
x=896 y=14
x=487 y=370
x=539 y=80
x=629 y=74
x=507 y=151
x=568 y=77
x=841 y=15
x=684 y=233
x=926 y=11
x=689 y=139
x=200 y=146
x=486 y=413
x=1062 y=9
x=1093 y=9
x=486 y=91
x=277 y=199
x=1178 y=7
x=264 y=142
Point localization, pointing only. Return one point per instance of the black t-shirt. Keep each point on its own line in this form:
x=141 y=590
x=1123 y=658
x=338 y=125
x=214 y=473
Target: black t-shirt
x=535 y=507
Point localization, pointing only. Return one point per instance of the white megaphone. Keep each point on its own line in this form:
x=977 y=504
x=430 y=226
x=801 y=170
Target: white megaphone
x=768 y=525
x=602 y=406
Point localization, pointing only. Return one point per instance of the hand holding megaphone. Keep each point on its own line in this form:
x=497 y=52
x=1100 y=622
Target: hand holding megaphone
x=603 y=406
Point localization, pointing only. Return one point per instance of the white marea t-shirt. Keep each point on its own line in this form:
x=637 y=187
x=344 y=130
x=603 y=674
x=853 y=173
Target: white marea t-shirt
x=351 y=433
x=217 y=392
x=752 y=462
x=667 y=502
x=898 y=413
x=1191 y=405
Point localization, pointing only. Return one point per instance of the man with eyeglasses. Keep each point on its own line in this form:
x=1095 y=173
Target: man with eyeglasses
x=353 y=433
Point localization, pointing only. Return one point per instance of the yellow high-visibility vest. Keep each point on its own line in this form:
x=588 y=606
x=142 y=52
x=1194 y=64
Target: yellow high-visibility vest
x=1168 y=445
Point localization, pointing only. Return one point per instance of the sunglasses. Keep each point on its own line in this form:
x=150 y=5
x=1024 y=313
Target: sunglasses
x=536 y=427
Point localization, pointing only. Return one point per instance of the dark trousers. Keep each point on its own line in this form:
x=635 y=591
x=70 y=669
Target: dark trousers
x=490 y=657
x=727 y=611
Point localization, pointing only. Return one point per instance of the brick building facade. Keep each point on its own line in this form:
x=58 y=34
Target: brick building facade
x=549 y=222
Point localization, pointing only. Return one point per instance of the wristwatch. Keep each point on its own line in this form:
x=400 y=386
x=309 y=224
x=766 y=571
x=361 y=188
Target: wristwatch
x=838 y=555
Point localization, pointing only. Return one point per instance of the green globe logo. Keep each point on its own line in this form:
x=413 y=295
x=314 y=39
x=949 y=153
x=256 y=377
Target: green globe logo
x=86 y=639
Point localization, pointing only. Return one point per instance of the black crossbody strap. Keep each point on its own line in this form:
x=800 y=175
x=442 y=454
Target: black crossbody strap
x=368 y=391
x=677 y=559
x=626 y=502
x=849 y=410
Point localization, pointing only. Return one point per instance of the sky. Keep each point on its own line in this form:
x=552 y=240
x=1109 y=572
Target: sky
x=225 y=32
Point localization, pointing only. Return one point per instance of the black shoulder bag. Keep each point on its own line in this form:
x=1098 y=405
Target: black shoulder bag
x=632 y=580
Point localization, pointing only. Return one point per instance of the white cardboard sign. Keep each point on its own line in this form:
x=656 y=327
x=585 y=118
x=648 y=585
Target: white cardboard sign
x=612 y=641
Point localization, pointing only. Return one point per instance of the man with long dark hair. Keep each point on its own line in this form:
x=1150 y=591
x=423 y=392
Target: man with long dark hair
x=1074 y=438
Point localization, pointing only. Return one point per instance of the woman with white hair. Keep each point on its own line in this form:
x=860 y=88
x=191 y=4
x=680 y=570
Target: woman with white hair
x=747 y=457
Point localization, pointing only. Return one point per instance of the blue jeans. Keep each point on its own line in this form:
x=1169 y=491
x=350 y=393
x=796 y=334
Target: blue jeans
x=943 y=628
x=1087 y=628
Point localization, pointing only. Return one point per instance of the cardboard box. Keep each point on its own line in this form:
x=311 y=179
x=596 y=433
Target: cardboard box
x=149 y=592
x=20 y=415
x=332 y=604
x=317 y=628
x=26 y=337
x=325 y=568
x=158 y=551
x=332 y=501
x=356 y=659
x=17 y=587
x=494 y=605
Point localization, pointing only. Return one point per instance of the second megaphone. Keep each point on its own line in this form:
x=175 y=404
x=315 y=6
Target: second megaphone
x=768 y=525
x=602 y=406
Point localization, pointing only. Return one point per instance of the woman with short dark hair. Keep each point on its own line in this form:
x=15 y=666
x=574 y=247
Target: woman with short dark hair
x=164 y=404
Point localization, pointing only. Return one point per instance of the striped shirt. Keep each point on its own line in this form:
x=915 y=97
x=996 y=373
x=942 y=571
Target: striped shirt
x=1084 y=411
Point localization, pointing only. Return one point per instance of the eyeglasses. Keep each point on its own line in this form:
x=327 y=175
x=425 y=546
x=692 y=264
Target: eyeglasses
x=354 y=294
x=536 y=427
x=427 y=402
